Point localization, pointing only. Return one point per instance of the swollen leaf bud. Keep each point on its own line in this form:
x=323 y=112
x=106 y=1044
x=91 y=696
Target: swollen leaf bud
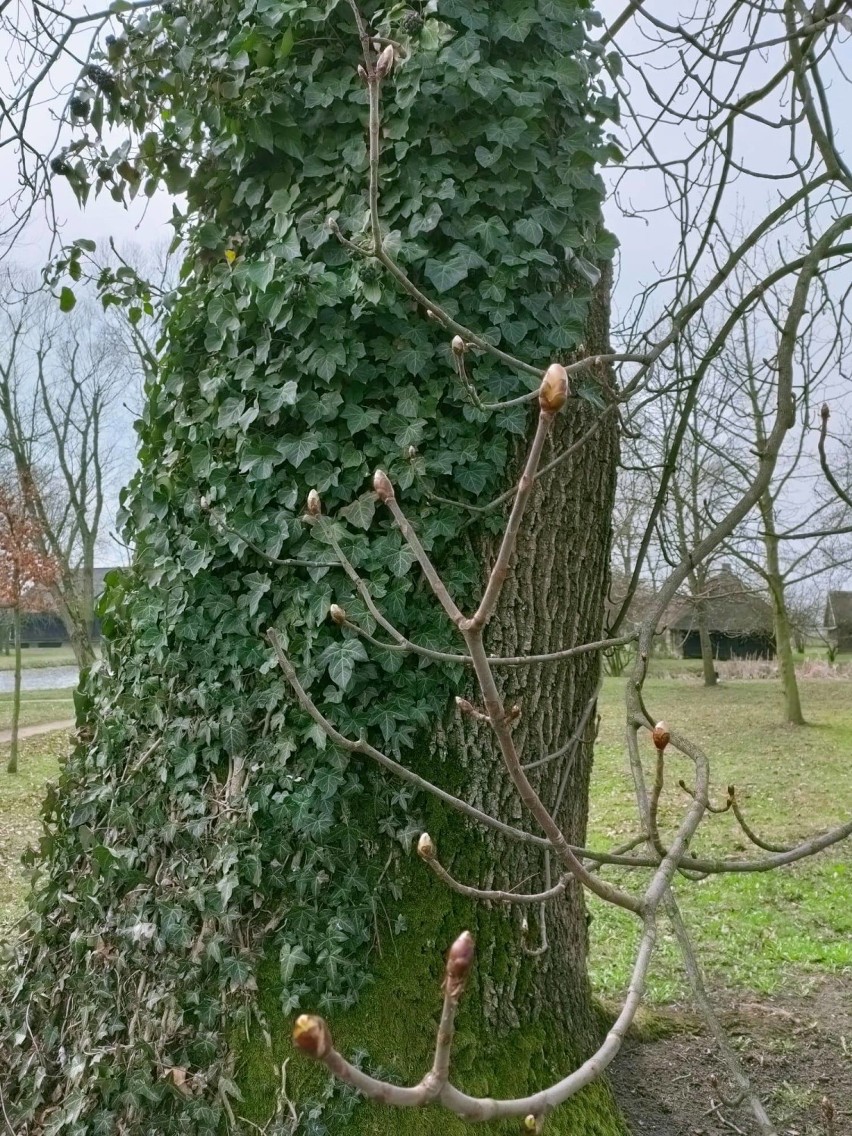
x=310 y=1034
x=362 y=74
x=553 y=392
x=382 y=486
x=314 y=504
x=459 y=346
x=660 y=736
x=412 y=453
x=384 y=64
x=459 y=963
x=337 y=614
x=825 y=413
x=425 y=847
x=530 y=1123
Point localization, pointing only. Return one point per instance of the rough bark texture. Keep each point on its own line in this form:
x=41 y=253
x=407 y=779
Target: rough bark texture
x=528 y=1018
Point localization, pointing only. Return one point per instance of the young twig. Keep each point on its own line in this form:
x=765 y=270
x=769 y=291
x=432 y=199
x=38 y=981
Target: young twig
x=428 y=854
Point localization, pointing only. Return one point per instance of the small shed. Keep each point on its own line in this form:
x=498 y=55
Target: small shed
x=740 y=621
x=838 y=619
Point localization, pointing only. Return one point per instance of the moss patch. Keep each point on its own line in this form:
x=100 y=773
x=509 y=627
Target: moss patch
x=391 y=1032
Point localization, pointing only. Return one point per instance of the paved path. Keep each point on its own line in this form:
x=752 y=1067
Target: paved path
x=33 y=731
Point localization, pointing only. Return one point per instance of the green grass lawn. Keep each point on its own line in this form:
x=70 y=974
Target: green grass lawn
x=20 y=803
x=38 y=706
x=35 y=657
x=760 y=932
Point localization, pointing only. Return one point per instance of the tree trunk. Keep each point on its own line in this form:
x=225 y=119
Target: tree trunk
x=73 y=598
x=783 y=634
x=528 y=1016
x=12 y=766
x=708 y=662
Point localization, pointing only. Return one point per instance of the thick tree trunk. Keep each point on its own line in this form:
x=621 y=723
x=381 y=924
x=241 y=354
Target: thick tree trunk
x=12 y=766
x=528 y=1017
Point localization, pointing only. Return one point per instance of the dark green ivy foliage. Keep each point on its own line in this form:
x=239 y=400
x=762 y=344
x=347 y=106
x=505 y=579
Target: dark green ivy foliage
x=205 y=818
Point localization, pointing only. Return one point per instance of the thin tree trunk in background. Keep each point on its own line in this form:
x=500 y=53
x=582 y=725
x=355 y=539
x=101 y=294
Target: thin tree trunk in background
x=708 y=662
x=12 y=766
x=783 y=634
x=75 y=607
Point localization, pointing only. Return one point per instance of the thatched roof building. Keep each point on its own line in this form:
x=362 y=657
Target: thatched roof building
x=740 y=621
x=838 y=619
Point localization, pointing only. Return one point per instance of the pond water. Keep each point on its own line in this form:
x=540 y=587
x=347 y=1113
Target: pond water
x=40 y=678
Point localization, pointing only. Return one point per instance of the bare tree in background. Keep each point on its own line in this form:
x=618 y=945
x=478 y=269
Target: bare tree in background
x=62 y=383
x=796 y=534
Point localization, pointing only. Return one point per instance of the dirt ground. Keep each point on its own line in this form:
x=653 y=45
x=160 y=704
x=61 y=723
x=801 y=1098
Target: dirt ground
x=798 y=1053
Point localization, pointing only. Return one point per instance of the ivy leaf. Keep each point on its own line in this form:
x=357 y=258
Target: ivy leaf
x=529 y=230
x=67 y=300
x=340 y=659
x=296 y=450
x=361 y=512
x=233 y=737
x=444 y=275
x=400 y=560
x=289 y=957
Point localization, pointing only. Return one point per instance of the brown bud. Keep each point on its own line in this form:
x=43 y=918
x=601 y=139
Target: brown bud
x=425 y=847
x=459 y=962
x=553 y=392
x=310 y=1034
x=337 y=614
x=458 y=345
x=384 y=64
x=314 y=504
x=383 y=486
x=825 y=413
x=660 y=736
